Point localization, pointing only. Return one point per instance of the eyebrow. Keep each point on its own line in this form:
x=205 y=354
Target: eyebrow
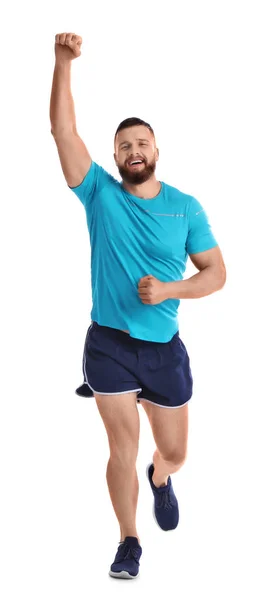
x=140 y=140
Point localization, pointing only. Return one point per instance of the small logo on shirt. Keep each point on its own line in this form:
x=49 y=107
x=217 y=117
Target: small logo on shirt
x=158 y=214
x=164 y=215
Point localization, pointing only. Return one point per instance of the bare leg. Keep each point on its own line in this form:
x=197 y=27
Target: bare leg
x=121 y=419
x=123 y=488
x=163 y=468
x=170 y=431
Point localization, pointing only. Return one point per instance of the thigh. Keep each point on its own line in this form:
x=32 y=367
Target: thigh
x=169 y=428
x=121 y=419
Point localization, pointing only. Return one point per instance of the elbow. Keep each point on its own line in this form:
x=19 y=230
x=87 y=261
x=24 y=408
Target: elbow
x=221 y=278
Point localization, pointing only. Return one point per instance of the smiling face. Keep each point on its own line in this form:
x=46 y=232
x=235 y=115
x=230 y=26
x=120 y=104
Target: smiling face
x=134 y=144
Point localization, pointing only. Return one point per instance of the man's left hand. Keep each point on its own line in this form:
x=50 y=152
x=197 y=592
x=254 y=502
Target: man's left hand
x=152 y=291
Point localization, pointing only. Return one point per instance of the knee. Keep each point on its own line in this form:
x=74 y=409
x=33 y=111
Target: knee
x=124 y=453
x=176 y=457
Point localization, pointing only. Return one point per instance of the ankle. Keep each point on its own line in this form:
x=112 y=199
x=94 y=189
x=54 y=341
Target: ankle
x=159 y=477
x=124 y=535
x=159 y=481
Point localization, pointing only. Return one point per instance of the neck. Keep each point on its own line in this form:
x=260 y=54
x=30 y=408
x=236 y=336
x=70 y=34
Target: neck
x=146 y=191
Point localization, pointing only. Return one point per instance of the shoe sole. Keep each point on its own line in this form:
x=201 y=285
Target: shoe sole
x=166 y=530
x=123 y=575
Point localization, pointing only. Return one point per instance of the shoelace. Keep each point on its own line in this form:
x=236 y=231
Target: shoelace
x=164 y=501
x=125 y=552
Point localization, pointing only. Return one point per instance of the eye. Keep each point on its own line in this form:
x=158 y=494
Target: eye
x=141 y=144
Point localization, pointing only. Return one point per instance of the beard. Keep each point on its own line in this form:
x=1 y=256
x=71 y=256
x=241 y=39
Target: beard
x=140 y=176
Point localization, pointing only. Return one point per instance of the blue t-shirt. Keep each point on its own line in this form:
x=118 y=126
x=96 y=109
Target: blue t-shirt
x=131 y=237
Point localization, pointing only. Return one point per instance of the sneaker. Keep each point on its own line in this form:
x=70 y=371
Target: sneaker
x=127 y=560
x=166 y=509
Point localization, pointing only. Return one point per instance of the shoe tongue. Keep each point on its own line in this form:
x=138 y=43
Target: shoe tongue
x=131 y=540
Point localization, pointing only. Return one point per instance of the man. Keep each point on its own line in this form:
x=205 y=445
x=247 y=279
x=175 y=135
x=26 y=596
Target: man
x=141 y=231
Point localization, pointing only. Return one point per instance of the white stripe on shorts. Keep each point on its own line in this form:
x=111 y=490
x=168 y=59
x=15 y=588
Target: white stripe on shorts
x=112 y=393
x=161 y=405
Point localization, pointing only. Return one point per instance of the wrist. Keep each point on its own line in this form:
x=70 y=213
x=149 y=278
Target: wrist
x=62 y=63
x=171 y=289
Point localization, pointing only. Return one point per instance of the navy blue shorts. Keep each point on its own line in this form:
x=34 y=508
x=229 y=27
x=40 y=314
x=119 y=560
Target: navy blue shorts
x=116 y=363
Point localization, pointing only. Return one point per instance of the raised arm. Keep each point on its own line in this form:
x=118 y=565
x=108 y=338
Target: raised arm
x=74 y=156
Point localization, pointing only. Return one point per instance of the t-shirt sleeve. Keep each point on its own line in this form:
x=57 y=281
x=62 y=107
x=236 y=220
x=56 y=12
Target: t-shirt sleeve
x=200 y=236
x=95 y=179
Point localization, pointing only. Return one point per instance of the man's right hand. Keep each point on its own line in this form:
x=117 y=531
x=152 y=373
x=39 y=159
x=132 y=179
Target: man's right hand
x=67 y=46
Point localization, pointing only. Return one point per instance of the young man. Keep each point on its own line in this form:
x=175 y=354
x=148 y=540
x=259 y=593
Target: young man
x=141 y=231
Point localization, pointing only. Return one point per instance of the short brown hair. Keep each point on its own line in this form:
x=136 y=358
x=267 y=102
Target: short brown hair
x=131 y=122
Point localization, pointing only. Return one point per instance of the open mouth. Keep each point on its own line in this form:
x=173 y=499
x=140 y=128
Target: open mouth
x=135 y=165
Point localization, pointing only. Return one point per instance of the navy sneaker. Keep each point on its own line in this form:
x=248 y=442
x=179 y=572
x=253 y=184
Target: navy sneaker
x=127 y=560
x=166 y=509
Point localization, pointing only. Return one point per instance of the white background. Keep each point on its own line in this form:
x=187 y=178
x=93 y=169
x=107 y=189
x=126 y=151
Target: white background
x=197 y=72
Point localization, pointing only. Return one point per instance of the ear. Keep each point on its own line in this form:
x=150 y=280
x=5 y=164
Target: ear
x=157 y=154
x=115 y=158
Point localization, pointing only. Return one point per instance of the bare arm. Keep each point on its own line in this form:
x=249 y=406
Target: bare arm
x=74 y=156
x=62 y=113
x=210 y=279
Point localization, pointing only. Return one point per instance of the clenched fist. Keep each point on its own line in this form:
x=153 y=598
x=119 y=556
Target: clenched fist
x=153 y=291
x=67 y=46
